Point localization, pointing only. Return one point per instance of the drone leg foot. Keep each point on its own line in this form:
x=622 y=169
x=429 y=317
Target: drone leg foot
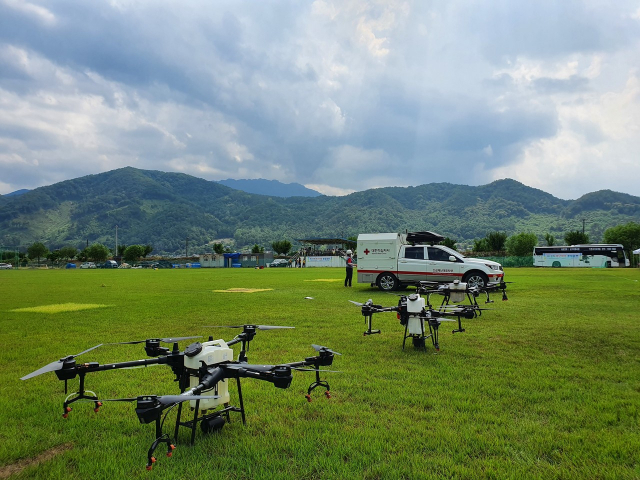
x=327 y=394
x=308 y=397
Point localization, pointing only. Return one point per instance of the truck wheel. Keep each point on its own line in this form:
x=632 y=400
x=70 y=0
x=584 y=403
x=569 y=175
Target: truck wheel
x=387 y=282
x=475 y=279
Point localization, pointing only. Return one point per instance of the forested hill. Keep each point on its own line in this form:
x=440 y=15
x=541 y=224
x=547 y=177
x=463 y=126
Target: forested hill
x=166 y=209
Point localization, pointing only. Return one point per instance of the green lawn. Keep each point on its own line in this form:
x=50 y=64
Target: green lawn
x=546 y=385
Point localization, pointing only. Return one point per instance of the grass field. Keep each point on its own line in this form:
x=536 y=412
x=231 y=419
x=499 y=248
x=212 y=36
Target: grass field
x=546 y=385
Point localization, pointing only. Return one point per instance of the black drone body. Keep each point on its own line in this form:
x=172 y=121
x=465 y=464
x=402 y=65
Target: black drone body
x=456 y=292
x=421 y=320
x=203 y=372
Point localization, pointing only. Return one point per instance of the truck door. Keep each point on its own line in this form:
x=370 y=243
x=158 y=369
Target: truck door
x=412 y=264
x=440 y=268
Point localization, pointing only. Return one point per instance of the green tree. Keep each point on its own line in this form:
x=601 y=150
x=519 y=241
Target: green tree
x=121 y=250
x=54 y=256
x=281 y=247
x=496 y=241
x=480 y=245
x=97 y=252
x=68 y=252
x=257 y=249
x=576 y=238
x=37 y=250
x=218 y=248
x=147 y=249
x=522 y=244
x=550 y=239
x=449 y=242
x=133 y=252
x=628 y=235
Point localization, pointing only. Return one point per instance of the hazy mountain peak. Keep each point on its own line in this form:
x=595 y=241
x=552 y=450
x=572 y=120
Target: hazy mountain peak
x=273 y=188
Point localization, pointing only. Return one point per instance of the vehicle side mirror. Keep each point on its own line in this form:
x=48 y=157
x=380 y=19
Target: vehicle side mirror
x=452 y=258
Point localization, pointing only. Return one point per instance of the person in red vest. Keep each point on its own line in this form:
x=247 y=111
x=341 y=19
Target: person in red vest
x=350 y=265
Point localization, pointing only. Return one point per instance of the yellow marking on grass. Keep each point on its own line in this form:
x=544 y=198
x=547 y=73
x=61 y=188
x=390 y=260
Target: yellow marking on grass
x=243 y=290
x=325 y=280
x=60 y=307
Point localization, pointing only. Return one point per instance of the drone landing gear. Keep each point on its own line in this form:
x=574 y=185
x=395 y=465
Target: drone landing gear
x=81 y=394
x=460 y=329
x=211 y=422
x=160 y=438
x=320 y=383
x=418 y=340
x=369 y=331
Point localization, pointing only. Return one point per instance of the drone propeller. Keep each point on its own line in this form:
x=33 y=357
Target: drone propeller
x=163 y=340
x=321 y=349
x=161 y=399
x=57 y=365
x=368 y=303
x=259 y=327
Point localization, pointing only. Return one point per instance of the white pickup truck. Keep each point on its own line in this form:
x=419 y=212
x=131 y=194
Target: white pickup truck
x=392 y=260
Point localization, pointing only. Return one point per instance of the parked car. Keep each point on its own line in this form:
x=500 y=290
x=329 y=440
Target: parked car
x=110 y=264
x=70 y=265
x=279 y=262
x=5 y=266
x=88 y=265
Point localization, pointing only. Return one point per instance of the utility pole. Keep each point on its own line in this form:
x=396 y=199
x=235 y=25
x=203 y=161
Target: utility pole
x=583 y=220
x=186 y=247
x=116 y=240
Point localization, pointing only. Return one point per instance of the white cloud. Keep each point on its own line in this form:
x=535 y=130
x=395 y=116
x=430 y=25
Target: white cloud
x=340 y=94
x=37 y=12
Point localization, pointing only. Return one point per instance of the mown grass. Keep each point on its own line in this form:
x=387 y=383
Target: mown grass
x=546 y=385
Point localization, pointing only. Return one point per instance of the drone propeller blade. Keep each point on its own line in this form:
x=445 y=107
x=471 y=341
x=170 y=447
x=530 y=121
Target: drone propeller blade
x=320 y=348
x=356 y=303
x=164 y=340
x=57 y=365
x=178 y=339
x=259 y=327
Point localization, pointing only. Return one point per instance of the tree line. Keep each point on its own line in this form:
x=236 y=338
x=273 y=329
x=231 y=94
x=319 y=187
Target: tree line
x=96 y=252
x=522 y=244
x=494 y=243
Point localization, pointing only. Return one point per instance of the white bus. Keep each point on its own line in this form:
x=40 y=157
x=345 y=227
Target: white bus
x=595 y=256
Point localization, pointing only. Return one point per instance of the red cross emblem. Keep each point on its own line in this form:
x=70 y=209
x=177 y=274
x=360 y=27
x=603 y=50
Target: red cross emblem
x=366 y=252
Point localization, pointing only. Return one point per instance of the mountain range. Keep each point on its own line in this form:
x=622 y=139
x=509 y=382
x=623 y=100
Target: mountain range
x=171 y=210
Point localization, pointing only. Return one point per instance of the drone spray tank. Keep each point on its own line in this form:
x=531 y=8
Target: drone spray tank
x=415 y=306
x=199 y=355
x=458 y=291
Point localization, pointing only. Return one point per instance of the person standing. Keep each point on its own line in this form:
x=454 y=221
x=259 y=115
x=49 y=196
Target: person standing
x=350 y=265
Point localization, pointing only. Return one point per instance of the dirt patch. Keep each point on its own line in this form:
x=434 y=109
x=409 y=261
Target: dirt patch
x=15 y=468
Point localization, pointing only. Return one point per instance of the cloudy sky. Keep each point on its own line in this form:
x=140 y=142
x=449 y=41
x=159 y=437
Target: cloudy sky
x=337 y=95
